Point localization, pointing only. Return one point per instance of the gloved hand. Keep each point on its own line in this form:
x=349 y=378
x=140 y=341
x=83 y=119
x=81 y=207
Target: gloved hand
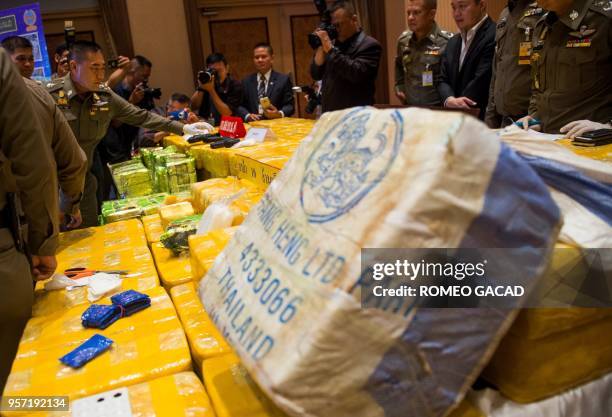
x=197 y=128
x=529 y=122
x=578 y=127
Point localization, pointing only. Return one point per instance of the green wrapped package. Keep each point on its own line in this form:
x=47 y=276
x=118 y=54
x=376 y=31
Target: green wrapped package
x=115 y=210
x=161 y=179
x=176 y=236
x=181 y=174
x=132 y=179
x=147 y=156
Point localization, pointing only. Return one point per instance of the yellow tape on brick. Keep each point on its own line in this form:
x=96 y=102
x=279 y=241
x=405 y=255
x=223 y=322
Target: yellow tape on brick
x=181 y=394
x=232 y=391
x=147 y=345
x=204 y=249
x=173 y=269
x=152 y=227
x=173 y=212
x=204 y=339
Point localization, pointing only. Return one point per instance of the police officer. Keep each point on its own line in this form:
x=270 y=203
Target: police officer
x=571 y=64
x=70 y=159
x=26 y=167
x=511 y=82
x=89 y=107
x=419 y=49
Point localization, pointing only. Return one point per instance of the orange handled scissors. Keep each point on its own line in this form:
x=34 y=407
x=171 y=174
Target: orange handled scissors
x=76 y=273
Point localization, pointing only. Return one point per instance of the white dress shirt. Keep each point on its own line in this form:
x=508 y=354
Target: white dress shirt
x=467 y=38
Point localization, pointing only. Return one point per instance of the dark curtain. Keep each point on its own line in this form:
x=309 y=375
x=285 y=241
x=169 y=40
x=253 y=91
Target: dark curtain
x=115 y=16
x=192 y=17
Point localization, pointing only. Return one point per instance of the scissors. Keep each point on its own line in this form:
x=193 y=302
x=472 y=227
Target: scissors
x=77 y=273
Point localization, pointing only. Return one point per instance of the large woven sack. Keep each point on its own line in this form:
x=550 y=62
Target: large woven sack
x=285 y=291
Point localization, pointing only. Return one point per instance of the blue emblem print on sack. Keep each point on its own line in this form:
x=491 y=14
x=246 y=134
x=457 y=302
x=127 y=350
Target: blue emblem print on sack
x=347 y=164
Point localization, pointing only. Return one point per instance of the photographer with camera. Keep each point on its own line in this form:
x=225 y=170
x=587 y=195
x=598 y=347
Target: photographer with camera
x=346 y=59
x=218 y=94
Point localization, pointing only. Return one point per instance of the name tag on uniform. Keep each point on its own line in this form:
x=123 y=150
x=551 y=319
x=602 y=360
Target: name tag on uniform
x=427 y=78
x=524 y=56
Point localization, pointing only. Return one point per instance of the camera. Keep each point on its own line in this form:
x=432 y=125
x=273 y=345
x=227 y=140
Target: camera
x=112 y=64
x=326 y=25
x=314 y=98
x=207 y=75
x=147 y=102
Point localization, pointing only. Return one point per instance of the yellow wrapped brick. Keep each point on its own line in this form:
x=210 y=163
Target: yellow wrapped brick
x=178 y=142
x=466 y=409
x=174 y=212
x=181 y=394
x=126 y=233
x=173 y=269
x=550 y=350
x=601 y=153
x=232 y=391
x=207 y=192
x=137 y=260
x=204 y=249
x=147 y=345
x=214 y=162
x=152 y=227
x=204 y=339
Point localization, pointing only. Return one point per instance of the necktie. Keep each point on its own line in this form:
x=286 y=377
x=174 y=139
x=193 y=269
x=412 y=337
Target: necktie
x=261 y=90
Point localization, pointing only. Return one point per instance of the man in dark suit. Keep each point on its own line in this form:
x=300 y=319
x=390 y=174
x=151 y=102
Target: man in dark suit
x=268 y=83
x=466 y=66
x=349 y=66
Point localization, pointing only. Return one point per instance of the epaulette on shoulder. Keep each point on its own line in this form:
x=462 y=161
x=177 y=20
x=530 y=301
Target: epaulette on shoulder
x=602 y=6
x=407 y=34
x=54 y=86
x=447 y=35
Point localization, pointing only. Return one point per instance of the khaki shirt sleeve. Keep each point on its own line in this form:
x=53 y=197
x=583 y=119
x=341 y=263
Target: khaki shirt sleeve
x=135 y=116
x=492 y=119
x=70 y=159
x=23 y=143
x=399 y=69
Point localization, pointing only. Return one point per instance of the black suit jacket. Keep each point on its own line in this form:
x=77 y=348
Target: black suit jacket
x=279 y=92
x=475 y=76
x=349 y=73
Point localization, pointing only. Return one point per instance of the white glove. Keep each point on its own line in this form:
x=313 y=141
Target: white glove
x=197 y=128
x=579 y=127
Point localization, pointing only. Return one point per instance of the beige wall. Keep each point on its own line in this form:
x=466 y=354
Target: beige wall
x=159 y=33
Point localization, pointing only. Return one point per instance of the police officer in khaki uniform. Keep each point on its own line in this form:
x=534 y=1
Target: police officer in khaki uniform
x=70 y=159
x=419 y=49
x=26 y=167
x=511 y=82
x=89 y=107
x=571 y=62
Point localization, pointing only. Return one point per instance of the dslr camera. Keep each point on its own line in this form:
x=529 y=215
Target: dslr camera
x=149 y=94
x=207 y=75
x=326 y=25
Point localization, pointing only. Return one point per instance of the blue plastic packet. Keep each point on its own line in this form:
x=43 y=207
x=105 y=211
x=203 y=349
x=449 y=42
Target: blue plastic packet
x=531 y=122
x=87 y=351
x=100 y=316
x=178 y=115
x=131 y=302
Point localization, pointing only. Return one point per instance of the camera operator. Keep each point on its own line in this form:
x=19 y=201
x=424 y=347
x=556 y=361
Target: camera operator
x=348 y=66
x=218 y=94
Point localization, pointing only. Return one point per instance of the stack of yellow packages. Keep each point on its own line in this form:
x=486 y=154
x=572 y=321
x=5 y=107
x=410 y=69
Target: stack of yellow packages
x=116 y=246
x=232 y=391
x=210 y=191
x=212 y=163
x=287 y=128
x=550 y=350
x=146 y=345
x=173 y=212
x=204 y=249
x=178 y=142
x=204 y=339
x=181 y=394
x=261 y=163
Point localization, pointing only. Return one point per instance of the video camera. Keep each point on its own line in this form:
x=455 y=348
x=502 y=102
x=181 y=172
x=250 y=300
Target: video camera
x=207 y=75
x=326 y=25
x=147 y=102
x=314 y=98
